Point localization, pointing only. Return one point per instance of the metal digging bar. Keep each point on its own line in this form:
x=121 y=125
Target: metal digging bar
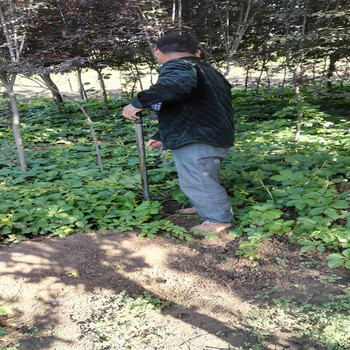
x=142 y=156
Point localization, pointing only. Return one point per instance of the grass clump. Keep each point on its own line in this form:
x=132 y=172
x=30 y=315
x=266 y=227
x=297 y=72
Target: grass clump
x=127 y=322
x=326 y=325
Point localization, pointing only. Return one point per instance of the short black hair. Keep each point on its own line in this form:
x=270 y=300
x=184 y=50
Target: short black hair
x=175 y=42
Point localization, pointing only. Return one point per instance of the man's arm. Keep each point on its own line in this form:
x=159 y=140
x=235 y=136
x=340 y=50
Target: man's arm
x=175 y=81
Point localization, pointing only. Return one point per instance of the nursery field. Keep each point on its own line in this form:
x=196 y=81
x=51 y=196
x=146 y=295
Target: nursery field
x=87 y=264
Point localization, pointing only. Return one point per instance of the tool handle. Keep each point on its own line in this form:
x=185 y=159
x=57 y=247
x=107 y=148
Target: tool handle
x=138 y=121
x=142 y=156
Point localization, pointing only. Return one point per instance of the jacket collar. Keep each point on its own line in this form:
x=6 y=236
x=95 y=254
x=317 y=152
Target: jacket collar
x=190 y=58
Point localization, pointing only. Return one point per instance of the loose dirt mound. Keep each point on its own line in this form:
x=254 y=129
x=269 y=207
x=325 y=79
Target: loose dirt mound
x=52 y=286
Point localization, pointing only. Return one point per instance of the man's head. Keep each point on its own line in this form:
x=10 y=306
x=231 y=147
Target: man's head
x=175 y=45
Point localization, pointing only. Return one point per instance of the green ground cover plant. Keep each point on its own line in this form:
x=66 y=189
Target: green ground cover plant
x=278 y=186
x=4 y=311
x=64 y=192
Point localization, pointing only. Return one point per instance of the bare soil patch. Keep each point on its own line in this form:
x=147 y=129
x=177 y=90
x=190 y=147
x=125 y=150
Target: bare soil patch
x=52 y=286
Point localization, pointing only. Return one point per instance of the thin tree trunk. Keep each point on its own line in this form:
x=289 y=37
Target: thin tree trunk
x=298 y=98
x=82 y=91
x=296 y=76
x=180 y=14
x=232 y=38
x=246 y=80
x=267 y=76
x=139 y=76
x=135 y=78
x=314 y=73
x=227 y=36
x=297 y=133
x=69 y=83
x=331 y=70
x=260 y=75
x=294 y=67
x=57 y=97
x=103 y=88
x=243 y=25
x=9 y=84
x=173 y=14
x=151 y=75
x=92 y=130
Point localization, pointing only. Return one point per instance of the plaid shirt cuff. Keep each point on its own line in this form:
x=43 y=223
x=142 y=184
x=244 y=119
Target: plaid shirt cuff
x=157 y=106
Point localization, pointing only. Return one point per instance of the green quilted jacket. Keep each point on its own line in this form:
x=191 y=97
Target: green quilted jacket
x=196 y=104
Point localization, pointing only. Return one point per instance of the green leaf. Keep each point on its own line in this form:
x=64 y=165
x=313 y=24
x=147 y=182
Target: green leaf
x=287 y=174
x=312 y=194
x=61 y=215
x=321 y=248
x=306 y=242
x=279 y=178
x=326 y=201
x=5 y=310
x=335 y=260
x=346 y=253
x=331 y=213
x=100 y=207
x=5 y=206
x=300 y=205
x=274 y=226
x=279 y=193
x=335 y=256
x=334 y=264
x=272 y=215
x=340 y=204
x=307 y=248
x=316 y=211
x=311 y=202
x=2 y=332
x=236 y=232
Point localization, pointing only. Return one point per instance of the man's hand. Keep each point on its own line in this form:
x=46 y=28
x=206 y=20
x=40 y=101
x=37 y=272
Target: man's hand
x=154 y=144
x=130 y=111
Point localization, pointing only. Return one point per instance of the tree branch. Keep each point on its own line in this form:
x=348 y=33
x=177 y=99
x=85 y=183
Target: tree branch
x=7 y=35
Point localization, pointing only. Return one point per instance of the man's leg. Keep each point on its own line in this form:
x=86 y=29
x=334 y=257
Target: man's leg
x=198 y=166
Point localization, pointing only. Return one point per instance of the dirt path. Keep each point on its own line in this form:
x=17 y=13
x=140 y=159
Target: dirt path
x=52 y=286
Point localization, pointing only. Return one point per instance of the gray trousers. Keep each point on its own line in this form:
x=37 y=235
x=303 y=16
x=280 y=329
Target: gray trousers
x=198 y=166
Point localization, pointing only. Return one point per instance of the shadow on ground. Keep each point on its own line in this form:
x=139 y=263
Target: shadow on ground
x=50 y=285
